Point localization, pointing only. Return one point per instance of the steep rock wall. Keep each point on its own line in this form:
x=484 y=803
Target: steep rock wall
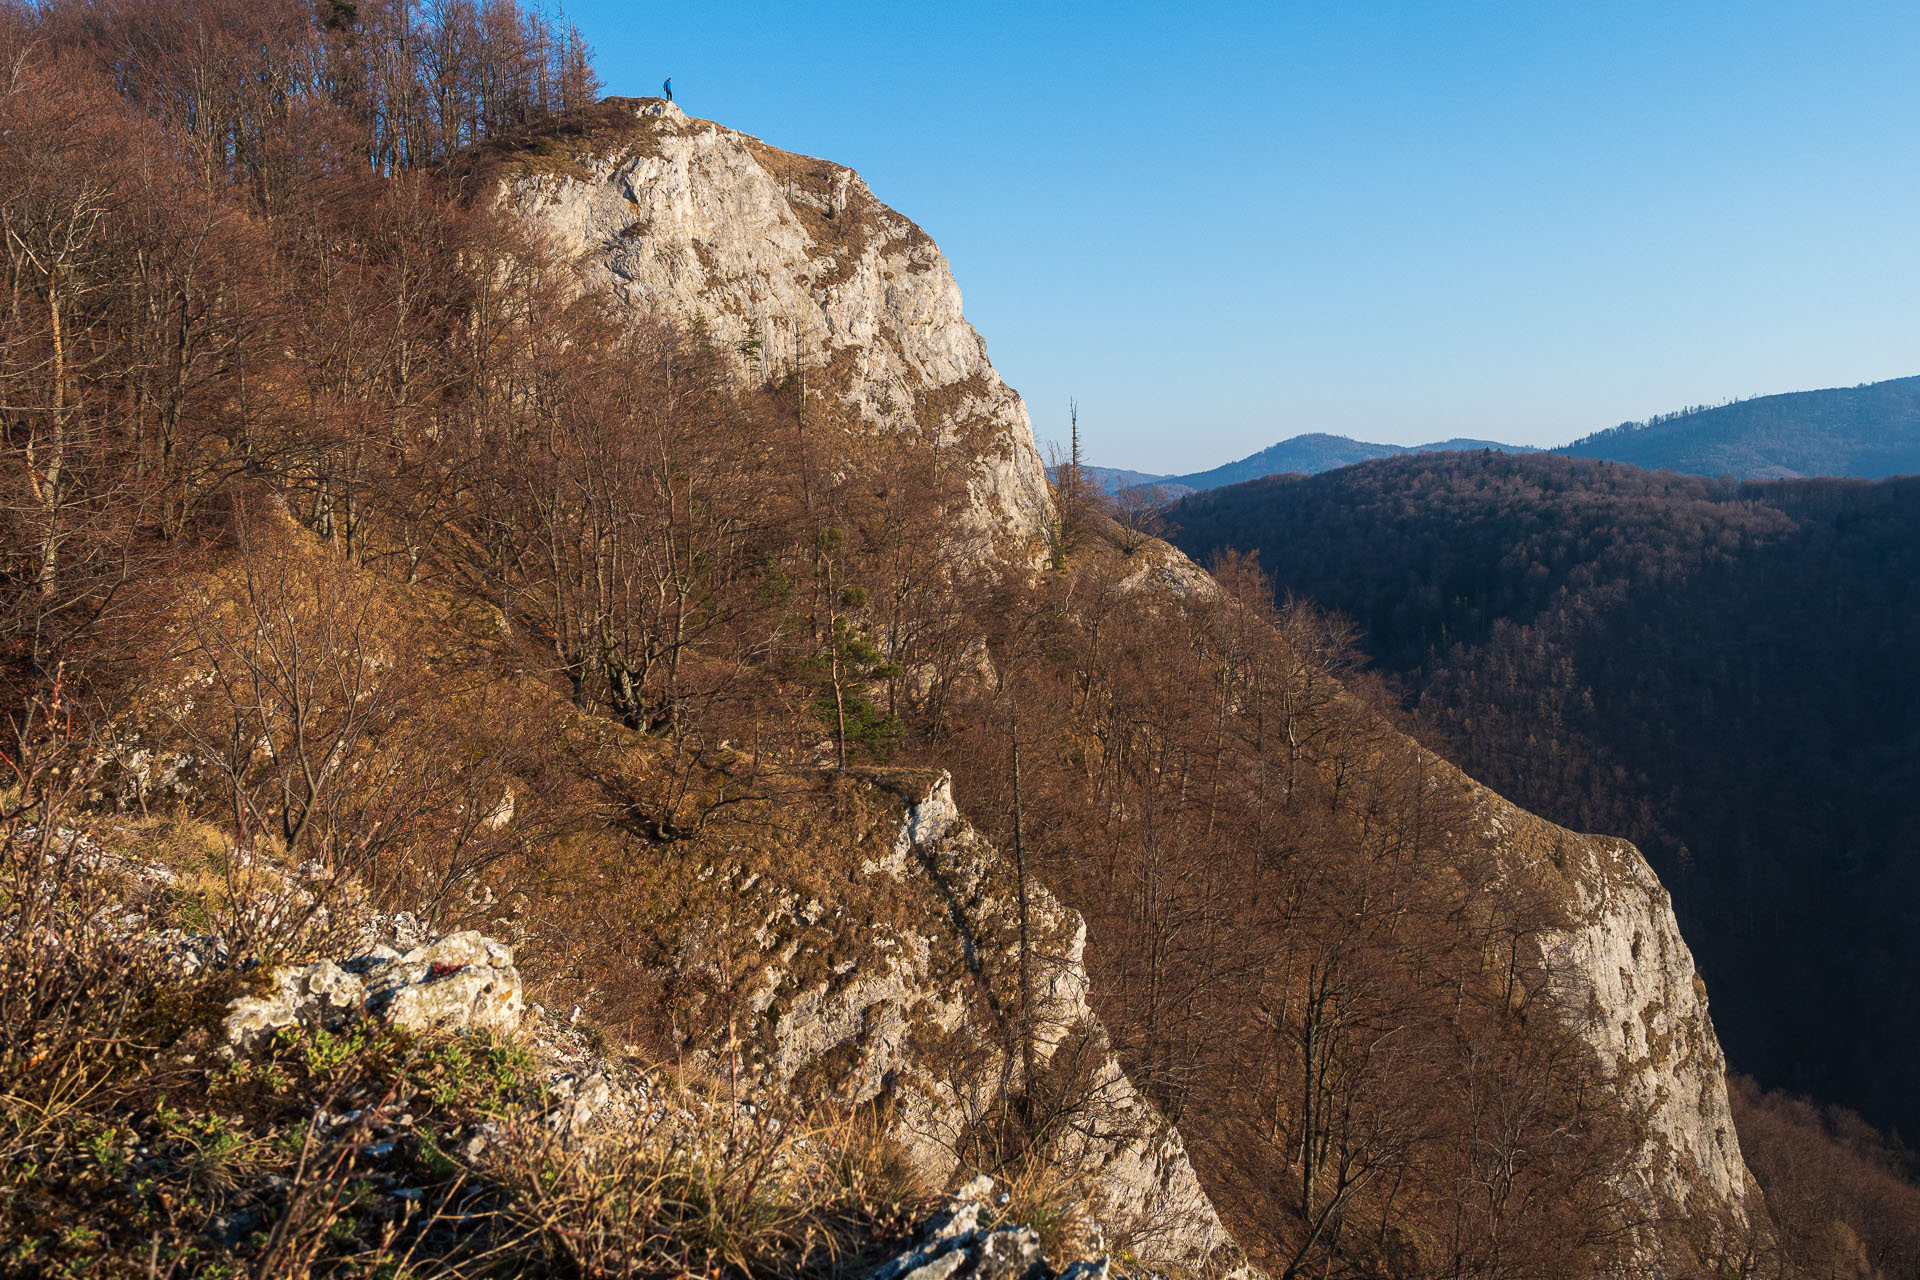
x=1626 y=978
x=1621 y=976
x=799 y=272
x=796 y=268
x=889 y=977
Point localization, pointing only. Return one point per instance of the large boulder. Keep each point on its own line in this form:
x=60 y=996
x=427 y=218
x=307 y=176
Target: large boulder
x=321 y=994
x=462 y=982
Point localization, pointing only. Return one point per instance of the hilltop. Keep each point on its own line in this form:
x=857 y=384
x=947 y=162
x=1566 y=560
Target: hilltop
x=598 y=538
x=1870 y=431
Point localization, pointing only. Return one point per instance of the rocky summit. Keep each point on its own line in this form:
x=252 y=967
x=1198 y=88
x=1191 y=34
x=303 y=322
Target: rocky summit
x=798 y=273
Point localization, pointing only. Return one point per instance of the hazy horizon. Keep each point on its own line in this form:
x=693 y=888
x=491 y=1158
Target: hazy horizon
x=1404 y=223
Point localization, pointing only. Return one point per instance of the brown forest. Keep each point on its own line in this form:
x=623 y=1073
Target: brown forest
x=292 y=418
x=1720 y=672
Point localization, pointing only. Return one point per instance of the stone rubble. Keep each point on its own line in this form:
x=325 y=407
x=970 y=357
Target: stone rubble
x=954 y=1244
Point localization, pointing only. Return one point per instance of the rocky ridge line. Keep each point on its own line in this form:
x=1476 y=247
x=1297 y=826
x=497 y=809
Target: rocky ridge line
x=466 y=982
x=783 y=257
x=896 y=1010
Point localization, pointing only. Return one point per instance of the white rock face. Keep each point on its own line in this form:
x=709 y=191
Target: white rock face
x=1648 y=1016
x=900 y=992
x=1140 y=1180
x=794 y=267
x=316 y=995
x=1624 y=976
x=460 y=982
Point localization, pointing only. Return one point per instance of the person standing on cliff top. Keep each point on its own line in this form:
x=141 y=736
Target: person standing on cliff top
x=667 y=88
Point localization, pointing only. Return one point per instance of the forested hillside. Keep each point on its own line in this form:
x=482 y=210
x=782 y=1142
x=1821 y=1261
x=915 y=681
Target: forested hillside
x=1722 y=673
x=363 y=561
x=1869 y=431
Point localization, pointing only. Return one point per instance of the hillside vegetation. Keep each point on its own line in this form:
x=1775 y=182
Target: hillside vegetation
x=1869 y=432
x=358 y=557
x=1721 y=673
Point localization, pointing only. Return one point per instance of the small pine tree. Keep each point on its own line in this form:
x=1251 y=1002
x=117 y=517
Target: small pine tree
x=849 y=662
x=852 y=663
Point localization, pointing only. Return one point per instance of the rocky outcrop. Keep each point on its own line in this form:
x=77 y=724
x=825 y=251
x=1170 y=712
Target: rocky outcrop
x=462 y=982
x=955 y=1244
x=898 y=989
x=895 y=990
x=899 y=1030
x=1624 y=979
x=798 y=272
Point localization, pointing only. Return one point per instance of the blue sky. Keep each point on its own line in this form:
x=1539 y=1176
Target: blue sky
x=1220 y=225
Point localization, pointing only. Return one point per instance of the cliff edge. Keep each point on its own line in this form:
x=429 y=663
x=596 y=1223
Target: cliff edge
x=798 y=272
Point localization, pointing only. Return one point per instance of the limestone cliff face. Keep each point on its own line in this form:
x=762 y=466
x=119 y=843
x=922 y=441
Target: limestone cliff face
x=800 y=273
x=885 y=973
x=894 y=986
x=1625 y=978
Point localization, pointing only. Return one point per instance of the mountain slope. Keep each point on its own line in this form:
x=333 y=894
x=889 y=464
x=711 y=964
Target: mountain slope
x=1869 y=431
x=794 y=266
x=1306 y=454
x=1722 y=675
x=381 y=558
x=1112 y=480
x=1301 y=455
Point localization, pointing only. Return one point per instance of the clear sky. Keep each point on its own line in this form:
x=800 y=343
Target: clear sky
x=1219 y=225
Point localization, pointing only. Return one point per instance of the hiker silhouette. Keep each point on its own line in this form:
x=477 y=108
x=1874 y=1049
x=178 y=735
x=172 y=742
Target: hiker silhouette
x=668 y=88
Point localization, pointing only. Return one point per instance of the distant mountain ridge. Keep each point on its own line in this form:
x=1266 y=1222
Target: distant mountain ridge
x=1867 y=432
x=1308 y=454
x=1114 y=479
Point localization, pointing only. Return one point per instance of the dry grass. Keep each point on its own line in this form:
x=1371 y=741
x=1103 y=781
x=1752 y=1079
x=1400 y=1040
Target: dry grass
x=130 y=1146
x=1043 y=1196
x=706 y=1187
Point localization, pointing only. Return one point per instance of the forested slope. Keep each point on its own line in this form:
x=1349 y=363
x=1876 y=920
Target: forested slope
x=1870 y=431
x=1721 y=673
x=365 y=548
